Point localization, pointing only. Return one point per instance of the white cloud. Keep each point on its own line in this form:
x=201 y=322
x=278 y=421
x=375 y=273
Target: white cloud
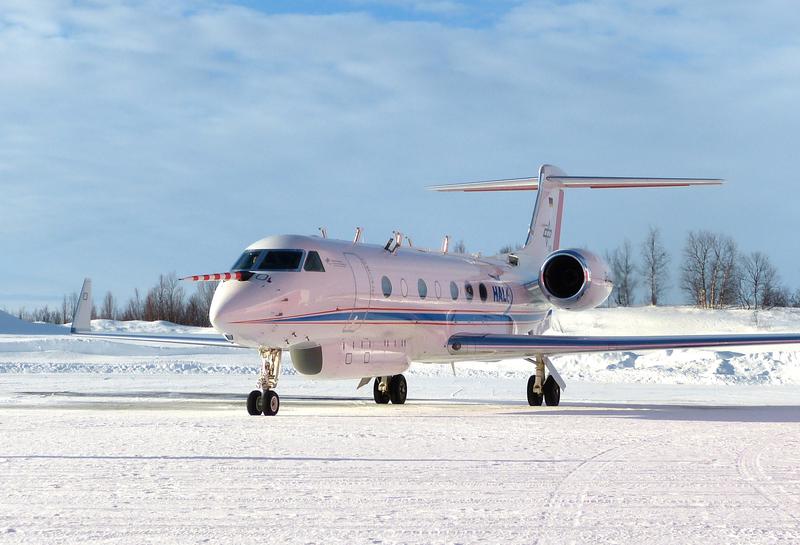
x=161 y=136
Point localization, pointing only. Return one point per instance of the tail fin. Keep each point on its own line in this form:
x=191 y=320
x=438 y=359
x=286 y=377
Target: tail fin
x=544 y=233
x=82 y=316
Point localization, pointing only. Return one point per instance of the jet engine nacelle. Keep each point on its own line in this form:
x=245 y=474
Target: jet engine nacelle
x=574 y=279
x=346 y=359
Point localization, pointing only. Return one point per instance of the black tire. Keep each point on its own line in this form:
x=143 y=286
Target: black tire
x=254 y=403
x=534 y=399
x=398 y=389
x=381 y=398
x=552 y=392
x=273 y=403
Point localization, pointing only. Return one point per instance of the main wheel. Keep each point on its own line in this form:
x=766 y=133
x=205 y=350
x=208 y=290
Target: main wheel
x=398 y=389
x=273 y=403
x=552 y=392
x=534 y=399
x=381 y=398
x=254 y=403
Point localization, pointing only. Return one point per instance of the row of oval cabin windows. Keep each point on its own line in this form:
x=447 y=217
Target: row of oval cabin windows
x=422 y=289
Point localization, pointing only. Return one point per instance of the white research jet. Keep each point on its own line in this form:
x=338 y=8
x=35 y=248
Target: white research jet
x=349 y=310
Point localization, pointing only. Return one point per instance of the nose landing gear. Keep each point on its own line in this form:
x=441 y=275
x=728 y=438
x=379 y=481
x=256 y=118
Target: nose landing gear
x=265 y=400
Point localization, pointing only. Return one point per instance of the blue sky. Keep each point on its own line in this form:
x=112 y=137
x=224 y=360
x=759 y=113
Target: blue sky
x=141 y=138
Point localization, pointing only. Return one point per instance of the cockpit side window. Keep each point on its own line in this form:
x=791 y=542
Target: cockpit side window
x=281 y=260
x=248 y=260
x=313 y=262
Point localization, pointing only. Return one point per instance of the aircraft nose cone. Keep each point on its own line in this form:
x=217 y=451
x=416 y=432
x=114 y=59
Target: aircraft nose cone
x=224 y=308
x=219 y=316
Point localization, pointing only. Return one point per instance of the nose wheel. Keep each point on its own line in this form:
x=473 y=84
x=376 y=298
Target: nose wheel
x=265 y=399
x=267 y=403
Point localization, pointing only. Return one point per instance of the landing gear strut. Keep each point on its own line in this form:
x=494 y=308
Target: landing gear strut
x=265 y=400
x=540 y=389
x=392 y=389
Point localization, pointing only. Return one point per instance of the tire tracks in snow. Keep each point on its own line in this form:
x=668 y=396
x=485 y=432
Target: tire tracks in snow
x=752 y=471
x=566 y=507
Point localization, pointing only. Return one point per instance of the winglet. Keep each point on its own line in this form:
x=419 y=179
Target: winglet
x=82 y=316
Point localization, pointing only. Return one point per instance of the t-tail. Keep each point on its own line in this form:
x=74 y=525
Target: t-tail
x=544 y=233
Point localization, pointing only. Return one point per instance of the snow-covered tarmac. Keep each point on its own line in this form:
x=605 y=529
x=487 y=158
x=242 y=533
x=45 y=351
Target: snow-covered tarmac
x=174 y=459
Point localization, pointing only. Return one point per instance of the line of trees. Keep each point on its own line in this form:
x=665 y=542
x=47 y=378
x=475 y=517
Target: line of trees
x=713 y=273
x=166 y=300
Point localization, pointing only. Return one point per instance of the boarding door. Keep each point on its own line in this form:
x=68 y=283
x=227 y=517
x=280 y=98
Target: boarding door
x=362 y=284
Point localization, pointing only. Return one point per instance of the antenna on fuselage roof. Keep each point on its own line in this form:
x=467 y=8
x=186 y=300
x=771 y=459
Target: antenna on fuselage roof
x=445 y=244
x=394 y=242
x=359 y=232
x=323 y=232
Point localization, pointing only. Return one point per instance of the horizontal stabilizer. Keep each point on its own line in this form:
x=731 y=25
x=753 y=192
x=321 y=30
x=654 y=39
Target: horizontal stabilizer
x=591 y=182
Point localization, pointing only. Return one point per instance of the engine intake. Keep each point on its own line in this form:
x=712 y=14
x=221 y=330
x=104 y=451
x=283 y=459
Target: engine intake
x=574 y=279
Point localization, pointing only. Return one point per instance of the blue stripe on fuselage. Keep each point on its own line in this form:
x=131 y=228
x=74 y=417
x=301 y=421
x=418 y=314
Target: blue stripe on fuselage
x=406 y=317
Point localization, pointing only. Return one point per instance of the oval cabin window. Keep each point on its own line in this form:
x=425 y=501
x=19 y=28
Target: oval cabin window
x=386 y=285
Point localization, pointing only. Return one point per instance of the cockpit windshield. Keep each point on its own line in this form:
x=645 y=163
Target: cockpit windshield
x=269 y=260
x=248 y=261
x=281 y=260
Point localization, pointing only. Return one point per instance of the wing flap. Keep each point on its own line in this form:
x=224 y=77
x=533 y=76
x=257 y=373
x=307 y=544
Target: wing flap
x=531 y=345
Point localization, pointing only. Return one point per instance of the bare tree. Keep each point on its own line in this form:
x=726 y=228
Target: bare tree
x=794 y=300
x=709 y=273
x=65 y=311
x=623 y=272
x=778 y=296
x=165 y=301
x=758 y=278
x=134 y=310
x=72 y=301
x=510 y=248
x=108 y=309
x=655 y=265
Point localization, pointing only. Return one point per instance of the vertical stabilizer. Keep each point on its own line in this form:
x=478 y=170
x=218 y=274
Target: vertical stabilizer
x=544 y=233
x=81 y=318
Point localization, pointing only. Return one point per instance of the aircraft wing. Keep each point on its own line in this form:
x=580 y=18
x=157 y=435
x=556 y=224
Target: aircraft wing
x=469 y=344
x=190 y=340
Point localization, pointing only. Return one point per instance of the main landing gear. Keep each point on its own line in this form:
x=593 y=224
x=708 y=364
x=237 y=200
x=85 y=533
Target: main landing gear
x=392 y=389
x=265 y=400
x=540 y=389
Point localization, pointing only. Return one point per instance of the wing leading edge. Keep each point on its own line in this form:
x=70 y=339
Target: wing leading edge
x=188 y=340
x=466 y=344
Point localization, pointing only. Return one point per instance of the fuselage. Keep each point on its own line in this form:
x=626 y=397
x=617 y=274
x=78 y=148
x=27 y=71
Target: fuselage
x=366 y=311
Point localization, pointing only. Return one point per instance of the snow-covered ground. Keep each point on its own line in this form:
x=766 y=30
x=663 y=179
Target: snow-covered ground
x=105 y=442
x=29 y=351
x=167 y=458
